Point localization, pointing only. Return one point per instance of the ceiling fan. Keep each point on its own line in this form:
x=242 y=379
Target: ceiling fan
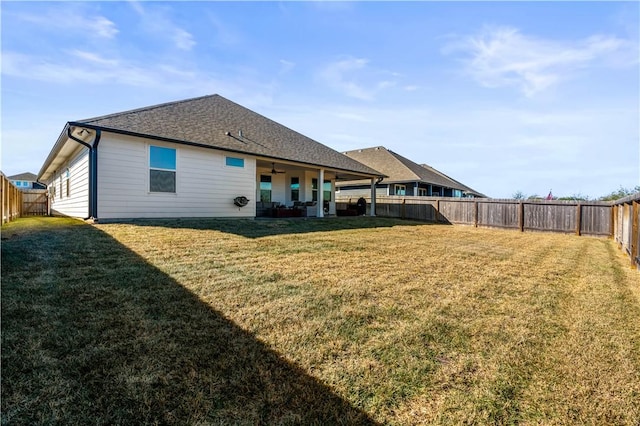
x=274 y=171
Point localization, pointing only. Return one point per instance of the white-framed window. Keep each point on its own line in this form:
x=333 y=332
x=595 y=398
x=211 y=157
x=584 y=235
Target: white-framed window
x=234 y=162
x=400 y=190
x=265 y=188
x=422 y=192
x=326 y=190
x=295 y=189
x=162 y=169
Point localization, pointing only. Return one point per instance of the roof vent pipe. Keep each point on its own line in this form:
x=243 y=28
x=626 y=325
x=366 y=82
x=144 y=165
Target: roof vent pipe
x=240 y=133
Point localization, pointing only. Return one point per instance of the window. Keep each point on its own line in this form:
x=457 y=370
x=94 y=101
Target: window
x=422 y=192
x=60 y=186
x=68 y=184
x=162 y=169
x=400 y=190
x=234 y=162
x=326 y=190
x=265 y=188
x=314 y=189
x=295 y=189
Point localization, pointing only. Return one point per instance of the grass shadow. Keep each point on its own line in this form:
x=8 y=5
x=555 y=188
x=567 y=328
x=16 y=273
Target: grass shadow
x=263 y=227
x=93 y=334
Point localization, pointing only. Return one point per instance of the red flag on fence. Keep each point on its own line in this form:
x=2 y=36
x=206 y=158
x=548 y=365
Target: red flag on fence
x=550 y=196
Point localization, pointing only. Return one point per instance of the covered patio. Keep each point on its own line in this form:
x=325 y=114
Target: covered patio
x=293 y=189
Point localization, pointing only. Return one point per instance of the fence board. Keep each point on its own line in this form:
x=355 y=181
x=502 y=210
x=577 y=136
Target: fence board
x=498 y=215
x=11 y=203
x=596 y=220
x=35 y=202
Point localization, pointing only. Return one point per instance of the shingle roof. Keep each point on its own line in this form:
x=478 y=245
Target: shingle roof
x=401 y=169
x=216 y=122
x=462 y=186
x=24 y=176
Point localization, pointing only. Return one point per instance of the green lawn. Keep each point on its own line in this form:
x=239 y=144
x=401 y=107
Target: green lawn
x=352 y=320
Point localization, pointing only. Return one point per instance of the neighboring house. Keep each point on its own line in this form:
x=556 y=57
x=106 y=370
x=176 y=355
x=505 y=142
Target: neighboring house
x=201 y=157
x=404 y=177
x=26 y=181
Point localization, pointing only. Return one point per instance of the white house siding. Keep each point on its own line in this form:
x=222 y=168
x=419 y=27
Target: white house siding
x=205 y=186
x=76 y=203
x=363 y=191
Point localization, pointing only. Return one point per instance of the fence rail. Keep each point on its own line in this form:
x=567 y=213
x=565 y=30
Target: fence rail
x=11 y=200
x=618 y=219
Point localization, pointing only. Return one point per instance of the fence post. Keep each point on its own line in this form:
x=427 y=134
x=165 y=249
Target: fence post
x=2 y=201
x=634 y=233
x=578 y=219
x=404 y=208
x=437 y=211
x=612 y=224
x=521 y=216
x=475 y=214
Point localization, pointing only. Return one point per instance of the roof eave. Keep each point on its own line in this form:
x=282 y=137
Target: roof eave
x=372 y=174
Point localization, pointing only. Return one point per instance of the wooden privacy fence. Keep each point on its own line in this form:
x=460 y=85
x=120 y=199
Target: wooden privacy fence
x=626 y=219
x=582 y=218
x=11 y=200
x=35 y=202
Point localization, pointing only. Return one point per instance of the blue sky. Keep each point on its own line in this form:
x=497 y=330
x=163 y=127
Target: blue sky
x=502 y=96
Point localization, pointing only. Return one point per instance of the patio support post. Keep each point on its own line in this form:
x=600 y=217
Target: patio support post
x=373 y=197
x=321 y=193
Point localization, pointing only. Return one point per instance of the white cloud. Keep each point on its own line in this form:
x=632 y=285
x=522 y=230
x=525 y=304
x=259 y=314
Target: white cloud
x=157 y=22
x=71 y=19
x=94 y=58
x=339 y=75
x=183 y=39
x=356 y=79
x=503 y=56
x=286 y=66
x=104 y=27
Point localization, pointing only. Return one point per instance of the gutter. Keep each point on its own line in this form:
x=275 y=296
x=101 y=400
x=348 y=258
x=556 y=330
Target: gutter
x=93 y=169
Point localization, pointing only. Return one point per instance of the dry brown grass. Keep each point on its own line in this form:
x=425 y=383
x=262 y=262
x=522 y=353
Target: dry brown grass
x=408 y=323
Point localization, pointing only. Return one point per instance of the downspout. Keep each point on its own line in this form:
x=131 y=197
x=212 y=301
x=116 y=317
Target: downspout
x=96 y=142
x=93 y=170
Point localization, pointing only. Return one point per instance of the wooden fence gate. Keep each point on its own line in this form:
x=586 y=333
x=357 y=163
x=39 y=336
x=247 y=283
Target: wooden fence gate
x=35 y=202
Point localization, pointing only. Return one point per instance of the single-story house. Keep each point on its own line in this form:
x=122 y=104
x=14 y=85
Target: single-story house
x=201 y=157
x=26 y=180
x=404 y=177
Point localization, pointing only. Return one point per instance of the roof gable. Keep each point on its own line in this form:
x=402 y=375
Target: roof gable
x=395 y=166
x=28 y=176
x=401 y=169
x=216 y=122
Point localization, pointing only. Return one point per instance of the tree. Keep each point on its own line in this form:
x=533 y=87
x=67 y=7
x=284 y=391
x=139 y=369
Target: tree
x=518 y=195
x=620 y=193
x=575 y=197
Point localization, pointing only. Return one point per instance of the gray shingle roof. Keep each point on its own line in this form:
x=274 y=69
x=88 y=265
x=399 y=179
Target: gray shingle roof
x=401 y=169
x=462 y=186
x=216 y=122
x=24 y=176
